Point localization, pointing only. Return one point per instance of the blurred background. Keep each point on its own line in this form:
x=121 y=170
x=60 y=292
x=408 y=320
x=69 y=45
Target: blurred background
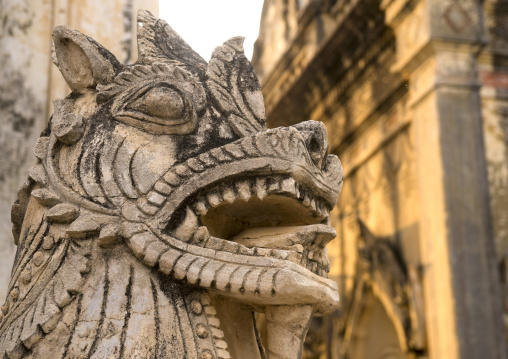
x=414 y=94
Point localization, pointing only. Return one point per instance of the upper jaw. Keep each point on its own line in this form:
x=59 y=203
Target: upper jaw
x=268 y=154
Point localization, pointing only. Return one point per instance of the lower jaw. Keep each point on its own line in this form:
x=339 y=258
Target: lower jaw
x=261 y=280
x=287 y=282
x=291 y=288
x=250 y=279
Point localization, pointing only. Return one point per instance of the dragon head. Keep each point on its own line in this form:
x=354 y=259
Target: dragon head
x=172 y=157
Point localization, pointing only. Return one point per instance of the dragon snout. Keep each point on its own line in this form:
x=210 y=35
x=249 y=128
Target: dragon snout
x=315 y=136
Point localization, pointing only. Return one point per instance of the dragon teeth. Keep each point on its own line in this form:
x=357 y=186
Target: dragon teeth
x=201 y=235
x=315 y=261
x=188 y=227
x=230 y=247
x=297 y=190
x=306 y=200
x=214 y=199
x=288 y=185
x=310 y=255
x=274 y=185
x=215 y=243
x=201 y=207
x=245 y=250
x=280 y=254
x=243 y=188
x=263 y=252
x=229 y=195
x=297 y=248
x=313 y=204
x=261 y=187
x=293 y=257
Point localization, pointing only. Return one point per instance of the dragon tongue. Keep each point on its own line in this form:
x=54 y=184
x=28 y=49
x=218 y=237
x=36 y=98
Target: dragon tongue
x=315 y=235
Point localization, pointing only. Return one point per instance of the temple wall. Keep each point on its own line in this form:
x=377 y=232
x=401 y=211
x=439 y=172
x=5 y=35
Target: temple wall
x=30 y=82
x=414 y=97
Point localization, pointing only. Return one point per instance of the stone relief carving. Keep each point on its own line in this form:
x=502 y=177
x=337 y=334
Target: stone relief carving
x=396 y=284
x=452 y=18
x=162 y=212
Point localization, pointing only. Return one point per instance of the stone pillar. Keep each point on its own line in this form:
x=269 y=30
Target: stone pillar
x=29 y=82
x=493 y=73
x=438 y=48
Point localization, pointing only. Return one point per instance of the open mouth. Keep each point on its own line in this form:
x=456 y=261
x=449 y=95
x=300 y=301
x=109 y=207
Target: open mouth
x=259 y=216
x=249 y=220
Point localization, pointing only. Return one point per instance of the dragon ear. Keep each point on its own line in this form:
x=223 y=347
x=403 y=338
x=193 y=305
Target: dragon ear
x=83 y=62
x=235 y=88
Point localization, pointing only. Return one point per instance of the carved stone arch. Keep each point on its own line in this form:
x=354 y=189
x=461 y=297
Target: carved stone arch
x=393 y=312
x=375 y=335
x=384 y=317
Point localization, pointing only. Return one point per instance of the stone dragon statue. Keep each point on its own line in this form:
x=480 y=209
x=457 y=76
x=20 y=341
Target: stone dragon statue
x=162 y=213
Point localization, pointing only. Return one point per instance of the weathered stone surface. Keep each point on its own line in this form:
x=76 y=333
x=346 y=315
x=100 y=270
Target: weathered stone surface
x=162 y=212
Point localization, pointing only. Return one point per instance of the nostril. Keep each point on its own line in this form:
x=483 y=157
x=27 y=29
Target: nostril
x=314 y=134
x=315 y=148
x=313 y=145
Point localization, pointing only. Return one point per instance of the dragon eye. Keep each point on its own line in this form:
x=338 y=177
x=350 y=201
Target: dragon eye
x=162 y=102
x=158 y=108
